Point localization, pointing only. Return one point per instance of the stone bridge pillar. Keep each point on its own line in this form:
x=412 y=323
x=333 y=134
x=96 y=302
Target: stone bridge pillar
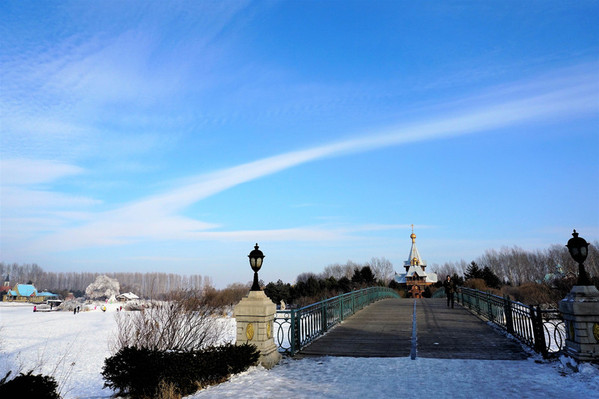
x=255 y=315
x=580 y=309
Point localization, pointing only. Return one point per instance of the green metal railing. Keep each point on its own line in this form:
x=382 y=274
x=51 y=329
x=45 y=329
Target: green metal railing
x=296 y=328
x=541 y=329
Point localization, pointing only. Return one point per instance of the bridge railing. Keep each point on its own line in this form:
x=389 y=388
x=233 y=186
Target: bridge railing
x=296 y=328
x=541 y=329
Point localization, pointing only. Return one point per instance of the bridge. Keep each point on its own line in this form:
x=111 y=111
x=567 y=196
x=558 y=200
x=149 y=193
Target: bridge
x=377 y=323
x=416 y=328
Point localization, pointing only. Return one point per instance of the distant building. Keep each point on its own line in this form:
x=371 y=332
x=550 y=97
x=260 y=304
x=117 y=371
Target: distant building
x=558 y=274
x=47 y=295
x=416 y=278
x=27 y=293
x=5 y=287
x=126 y=297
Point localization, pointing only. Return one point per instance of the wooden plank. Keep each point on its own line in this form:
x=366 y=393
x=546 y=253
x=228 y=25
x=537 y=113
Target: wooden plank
x=384 y=329
x=445 y=333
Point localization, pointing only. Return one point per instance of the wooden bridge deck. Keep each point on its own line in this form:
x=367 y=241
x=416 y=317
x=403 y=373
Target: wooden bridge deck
x=384 y=329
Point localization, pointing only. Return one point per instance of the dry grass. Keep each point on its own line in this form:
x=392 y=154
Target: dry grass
x=167 y=390
x=534 y=294
x=479 y=284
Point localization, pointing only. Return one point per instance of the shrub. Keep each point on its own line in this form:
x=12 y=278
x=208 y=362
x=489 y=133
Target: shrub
x=185 y=322
x=476 y=283
x=226 y=297
x=148 y=373
x=534 y=294
x=29 y=386
x=429 y=291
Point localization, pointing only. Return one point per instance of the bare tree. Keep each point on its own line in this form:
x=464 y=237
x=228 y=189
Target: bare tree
x=304 y=277
x=339 y=271
x=382 y=269
x=183 y=323
x=448 y=269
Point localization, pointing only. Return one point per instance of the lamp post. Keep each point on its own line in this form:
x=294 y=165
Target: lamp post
x=580 y=308
x=579 y=249
x=255 y=317
x=256 y=257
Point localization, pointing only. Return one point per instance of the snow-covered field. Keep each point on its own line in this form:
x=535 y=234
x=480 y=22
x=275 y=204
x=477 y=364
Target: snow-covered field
x=73 y=347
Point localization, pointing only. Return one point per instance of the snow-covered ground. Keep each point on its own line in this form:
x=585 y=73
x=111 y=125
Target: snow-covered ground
x=73 y=348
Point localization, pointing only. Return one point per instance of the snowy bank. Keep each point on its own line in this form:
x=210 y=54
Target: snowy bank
x=72 y=347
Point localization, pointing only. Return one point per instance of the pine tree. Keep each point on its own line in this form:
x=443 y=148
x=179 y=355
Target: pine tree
x=367 y=275
x=473 y=271
x=491 y=279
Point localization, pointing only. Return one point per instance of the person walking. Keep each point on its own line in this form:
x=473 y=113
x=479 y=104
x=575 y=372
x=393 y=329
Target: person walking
x=449 y=286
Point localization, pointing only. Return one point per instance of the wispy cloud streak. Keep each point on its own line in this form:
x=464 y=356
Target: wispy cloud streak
x=156 y=217
x=565 y=101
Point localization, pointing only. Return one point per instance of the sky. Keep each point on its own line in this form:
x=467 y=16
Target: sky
x=173 y=136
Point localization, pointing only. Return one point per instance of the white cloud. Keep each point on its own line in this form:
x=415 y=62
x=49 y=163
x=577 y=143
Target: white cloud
x=16 y=199
x=28 y=211
x=32 y=171
x=158 y=217
x=67 y=99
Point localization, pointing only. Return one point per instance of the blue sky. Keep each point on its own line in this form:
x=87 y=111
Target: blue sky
x=172 y=136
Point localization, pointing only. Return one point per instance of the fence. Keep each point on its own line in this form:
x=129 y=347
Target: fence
x=541 y=329
x=296 y=328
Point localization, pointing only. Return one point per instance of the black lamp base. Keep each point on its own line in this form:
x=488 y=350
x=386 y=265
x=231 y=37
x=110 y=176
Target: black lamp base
x=583 y=277
x=256 y=284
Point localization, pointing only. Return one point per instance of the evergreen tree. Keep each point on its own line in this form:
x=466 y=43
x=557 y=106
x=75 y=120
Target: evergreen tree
x=357 y=277
x=313 y=287
x=473 y=271
x=278 y=291
x=458 y=280
x=344 y=284
x=367 y=275
x=491 y=279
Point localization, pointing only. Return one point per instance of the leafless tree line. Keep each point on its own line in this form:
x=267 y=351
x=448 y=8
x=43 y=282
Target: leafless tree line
x=143 y=284
x=516 y=265
x=382 y=269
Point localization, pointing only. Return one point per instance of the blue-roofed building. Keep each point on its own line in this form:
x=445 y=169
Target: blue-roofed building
x=47 y=295
x=27 y=293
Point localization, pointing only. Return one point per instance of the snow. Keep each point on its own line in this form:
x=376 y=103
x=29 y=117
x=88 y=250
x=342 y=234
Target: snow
x=336 y=377
x=72 y=347
x=103 y=287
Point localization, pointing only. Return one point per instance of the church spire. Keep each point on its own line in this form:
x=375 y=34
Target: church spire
x=415 y=276
x=414 y=258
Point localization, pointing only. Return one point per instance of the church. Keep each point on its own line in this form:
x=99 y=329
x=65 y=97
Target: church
x=416 y=278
